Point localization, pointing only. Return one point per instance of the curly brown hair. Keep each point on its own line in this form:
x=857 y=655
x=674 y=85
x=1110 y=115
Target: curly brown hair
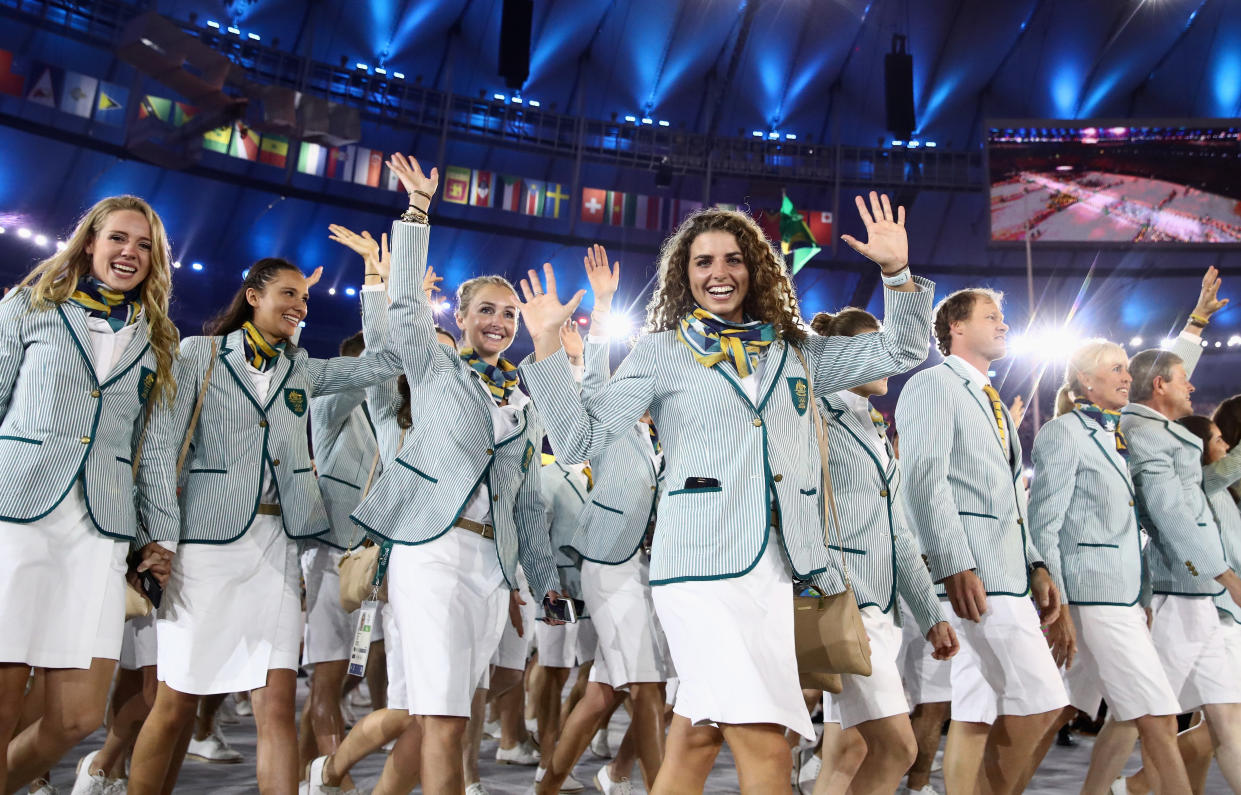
x=957 y=307
x=848 y=322
x=771 y=297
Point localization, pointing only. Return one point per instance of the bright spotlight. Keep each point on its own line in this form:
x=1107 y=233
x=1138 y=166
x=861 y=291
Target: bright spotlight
x=24 y=234
x=196 y=266
x=1045 y=345
x=40 y=240
x=1136 y=342
x=2 y=230
x=619 y=327
x=60 y=245
x=177 y=264
x=1219 y=344
x=441 y=306
x=331 y=291
x=350 y=291
x=1234 y=341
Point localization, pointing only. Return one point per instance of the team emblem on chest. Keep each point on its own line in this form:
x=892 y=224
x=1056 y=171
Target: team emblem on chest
x=295 y=399
x=146 y=382
x=527 y=456
x=800 y=394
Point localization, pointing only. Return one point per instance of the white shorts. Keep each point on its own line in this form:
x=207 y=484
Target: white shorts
x=514 y=649
x=632 y=647
x=565 y=645
x=329 y=631
x=1004 y=666
x=393 y=654
x=1116 y=660
x=1192 y=646
x=926 y=679
x=880 y=695
x=138 y=643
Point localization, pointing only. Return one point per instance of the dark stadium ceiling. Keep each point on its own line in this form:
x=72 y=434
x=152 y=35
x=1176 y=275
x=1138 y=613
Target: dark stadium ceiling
x=810 y=67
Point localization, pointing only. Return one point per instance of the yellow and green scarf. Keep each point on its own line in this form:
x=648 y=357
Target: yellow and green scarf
x=1109 y=420
x=501 y=378
x=260 y=353
x=712 y=340
x=118 y=308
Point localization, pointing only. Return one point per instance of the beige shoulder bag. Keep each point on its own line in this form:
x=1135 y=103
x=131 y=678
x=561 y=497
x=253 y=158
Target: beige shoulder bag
x=136 y=603
x=829 y=633
x=359 y=566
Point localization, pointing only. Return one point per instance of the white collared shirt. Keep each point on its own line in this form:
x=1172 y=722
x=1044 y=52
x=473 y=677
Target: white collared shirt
x=980 y=379
x=504 y=420
x=860 y=408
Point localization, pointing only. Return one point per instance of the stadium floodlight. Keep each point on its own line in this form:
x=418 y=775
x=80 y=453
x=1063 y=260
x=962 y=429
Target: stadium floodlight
x=646 y=120
x=331 y=291
x=500 y=97
x=619 y=326
x=211 y=23
x=350 y=291
x=534 y=103
x=1166 y=344
x=379 y=70
x=40 y=240
x=234 y=31
x=631 y=119
x=196 y=266
x=24 y=233
x=898 y=142
x=1045 y=344
x=1135 y=342
x=362 y=67
x=255 y=37
x=664 y=123
x=758 y=133
x=399 y=75
x=790 y=136
x=177 y=264
x=1234 y=341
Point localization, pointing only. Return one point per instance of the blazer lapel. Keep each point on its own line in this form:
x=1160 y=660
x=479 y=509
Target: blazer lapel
x=1111 y=455
x=233 y=354
x=853 y=426
x=284 y=368
x=74 y=318
x=522 y=418
x=974 y=392
x=137 y=346
x=568 y=478
x=772 y=369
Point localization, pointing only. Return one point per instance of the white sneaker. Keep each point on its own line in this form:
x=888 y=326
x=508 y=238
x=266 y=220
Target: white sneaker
x=41 y=786
x=227 y=713
x=927 y=790
x=569 y=785
x=242 y=706
x=213 y=748
x=491 y=729
x=87 y=783
x=359 y=699
x=116 y=786
x=315 y=779
x=599 y=744
x=1120 y=786
x=605 y=784
x=811 y=764
x=476 y=788
x=524 y=753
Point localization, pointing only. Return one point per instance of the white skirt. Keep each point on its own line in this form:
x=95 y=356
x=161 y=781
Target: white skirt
x=62 y=589
x=632 y=647
x=880 y=695
x=732 y=645
x=450 y=603
x=565 y=645
x=138 y=644
x=231 y=612
x=329 y=629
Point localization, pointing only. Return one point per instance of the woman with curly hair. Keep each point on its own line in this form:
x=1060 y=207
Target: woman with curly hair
x=86 y=350
x=723 y=367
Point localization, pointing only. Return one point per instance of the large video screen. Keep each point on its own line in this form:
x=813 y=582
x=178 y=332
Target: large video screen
x=1106 y=183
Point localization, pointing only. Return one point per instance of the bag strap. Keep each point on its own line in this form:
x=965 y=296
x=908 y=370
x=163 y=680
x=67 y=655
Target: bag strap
x=370 y=476
x=189 y=434
x=820 y=430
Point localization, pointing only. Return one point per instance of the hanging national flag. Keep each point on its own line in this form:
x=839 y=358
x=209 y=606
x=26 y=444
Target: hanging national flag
x=388 y=179
x=679 y=209
x=482 y=193
x=367 y=166
x=11 y=82
x=340 y=162
x=110 y=106
x=535 y=196
x=157 y=107
x=245 y=143
x=551 y=205
x=510 y=193
x=614 y=209
x=79 y=95
x=769 y=222
x=593 y=203
x=647 y=212
x=457 y=185
x=820 y=224
x=182 y=112
x=46 y=84
x=274 y=150
x=793 y=229
x=217 y=140
x=312 y=159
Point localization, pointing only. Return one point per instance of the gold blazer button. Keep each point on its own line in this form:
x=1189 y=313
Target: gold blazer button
x=85 y=440
x=883 y=492
x=778 y=478
x=757 y=422
x=275 y=462
x=94 y=393
x=1020 y=520
x=495 y=497
x=1130 y=503
x=490 y=451
x=262 y=423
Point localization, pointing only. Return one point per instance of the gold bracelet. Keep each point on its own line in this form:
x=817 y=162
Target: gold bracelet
x=415 y=216
x=1198 y=320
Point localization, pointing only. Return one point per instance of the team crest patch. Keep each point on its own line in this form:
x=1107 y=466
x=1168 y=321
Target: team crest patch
x=146 y=383
x=527 y=456
x=800 y=394
x=295 y=399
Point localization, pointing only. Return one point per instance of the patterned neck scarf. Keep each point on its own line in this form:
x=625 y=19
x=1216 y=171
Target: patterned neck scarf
x=118 y=308
x=590 y=478
x=881 y=425
x=260 y=353
x=712 y=340
x=650 y=429
x=501 y=378
x=1109 y=420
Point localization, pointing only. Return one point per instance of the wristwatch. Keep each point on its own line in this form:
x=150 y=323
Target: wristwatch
x=1035 y=566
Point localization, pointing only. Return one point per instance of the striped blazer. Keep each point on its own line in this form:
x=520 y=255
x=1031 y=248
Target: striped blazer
x=1227 y=517
x=965 y=495
x=239 y=436
x=452 y=448
x=622 y=504
x=762 y=453
x=1083 y=513
x=564 y=496
x=383 y=400
x=881 y=552
x=58 y=422
x=1185 y=553
x=344 y=447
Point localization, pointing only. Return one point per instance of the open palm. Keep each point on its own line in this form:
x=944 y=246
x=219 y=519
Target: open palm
x=604 y=281
x=541 y=308
x=886 y=244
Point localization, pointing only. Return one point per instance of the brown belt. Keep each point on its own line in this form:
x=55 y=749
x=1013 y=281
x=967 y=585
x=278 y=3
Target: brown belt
x=269 y=510
x=484 y=530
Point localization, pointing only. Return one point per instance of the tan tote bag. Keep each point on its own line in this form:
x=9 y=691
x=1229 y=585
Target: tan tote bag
x=358 y=566
x=830 y=636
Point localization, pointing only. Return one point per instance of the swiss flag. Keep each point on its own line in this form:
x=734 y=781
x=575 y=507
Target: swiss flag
x=820 y=224
x=593 y=201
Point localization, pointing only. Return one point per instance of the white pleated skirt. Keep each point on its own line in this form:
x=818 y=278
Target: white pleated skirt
x=231 y=612
x=450 y=603
x=62 y=589
x=732 y=644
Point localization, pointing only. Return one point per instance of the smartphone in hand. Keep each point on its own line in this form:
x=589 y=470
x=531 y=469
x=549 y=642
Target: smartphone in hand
x=559 y=610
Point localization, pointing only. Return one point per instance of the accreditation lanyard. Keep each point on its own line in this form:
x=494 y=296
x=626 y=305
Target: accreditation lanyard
x=366 y=615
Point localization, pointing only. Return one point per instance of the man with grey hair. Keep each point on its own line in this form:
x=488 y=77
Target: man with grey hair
x=1185 y=556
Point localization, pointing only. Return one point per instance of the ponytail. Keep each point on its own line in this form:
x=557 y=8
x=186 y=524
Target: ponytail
x=1064 y=400
x=848 y=322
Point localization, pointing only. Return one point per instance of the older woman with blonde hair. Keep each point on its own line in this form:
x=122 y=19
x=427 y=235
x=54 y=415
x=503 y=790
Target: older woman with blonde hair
x=723 y=368
x=86 y=350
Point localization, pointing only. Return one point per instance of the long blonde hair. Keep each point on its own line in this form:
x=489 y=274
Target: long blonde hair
x=771 y=297
x=54 y=279
x=1084 y=359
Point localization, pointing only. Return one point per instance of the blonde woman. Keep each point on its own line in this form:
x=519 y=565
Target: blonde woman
x=87 y=350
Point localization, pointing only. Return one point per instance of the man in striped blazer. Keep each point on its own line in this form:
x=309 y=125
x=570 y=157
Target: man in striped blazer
x=963 y=468
x=1185 y=557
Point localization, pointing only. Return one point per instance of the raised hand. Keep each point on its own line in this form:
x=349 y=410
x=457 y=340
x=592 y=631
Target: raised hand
x=314 y=277
x=886 y=242
x=1209 y=301
x=604 y=281
x=571 y=340
x=543 y=312
x=414 y=181
x=1018 y=411
x=363 y=245
x=431 y=284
